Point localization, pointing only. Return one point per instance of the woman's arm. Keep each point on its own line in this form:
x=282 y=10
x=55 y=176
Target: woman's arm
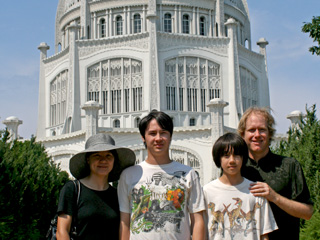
x=63 y=227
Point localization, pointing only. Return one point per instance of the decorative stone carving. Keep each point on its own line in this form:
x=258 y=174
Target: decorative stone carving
x=12 y=124
x=174 y=41
x=91 y=108
x=89 y=47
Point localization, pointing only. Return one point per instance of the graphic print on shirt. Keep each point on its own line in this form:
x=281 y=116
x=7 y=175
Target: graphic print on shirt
x=236 y=221
x=158 y=205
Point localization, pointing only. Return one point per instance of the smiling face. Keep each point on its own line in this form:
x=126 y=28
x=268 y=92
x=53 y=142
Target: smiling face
x=101 y=163
x=257 y=136
x=157 y=140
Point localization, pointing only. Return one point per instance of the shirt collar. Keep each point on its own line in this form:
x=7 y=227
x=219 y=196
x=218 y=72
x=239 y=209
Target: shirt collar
x=262 y=161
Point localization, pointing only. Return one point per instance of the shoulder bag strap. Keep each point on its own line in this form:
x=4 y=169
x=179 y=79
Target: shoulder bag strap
x=77 y=186
x=75 y=215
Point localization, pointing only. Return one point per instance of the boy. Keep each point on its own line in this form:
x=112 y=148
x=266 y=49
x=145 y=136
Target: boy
x=158 y=196
x=232 y=211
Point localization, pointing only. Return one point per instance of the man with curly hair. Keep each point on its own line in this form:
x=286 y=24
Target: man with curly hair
x=278 y=178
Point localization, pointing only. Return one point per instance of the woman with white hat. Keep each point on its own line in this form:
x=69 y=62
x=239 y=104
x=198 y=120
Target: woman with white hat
x=97 y=210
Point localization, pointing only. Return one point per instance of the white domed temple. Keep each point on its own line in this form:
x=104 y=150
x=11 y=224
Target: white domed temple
x=115 y=61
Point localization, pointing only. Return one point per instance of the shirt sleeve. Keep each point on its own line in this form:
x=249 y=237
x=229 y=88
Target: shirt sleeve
x=196 y=201
x=267 y=221
x=300 y=190
x=123 y=194
x=67 y=199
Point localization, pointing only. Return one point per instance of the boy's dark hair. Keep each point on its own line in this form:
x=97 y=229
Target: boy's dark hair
x=229 y=142
x=163 y=119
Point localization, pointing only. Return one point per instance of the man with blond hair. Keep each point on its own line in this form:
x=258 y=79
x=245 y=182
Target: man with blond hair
x=278 y=178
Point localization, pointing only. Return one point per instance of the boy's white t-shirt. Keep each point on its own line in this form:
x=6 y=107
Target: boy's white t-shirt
x=234 y=213
x=159 y=199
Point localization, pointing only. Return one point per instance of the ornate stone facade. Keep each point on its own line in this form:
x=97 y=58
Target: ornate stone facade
x=117 y=60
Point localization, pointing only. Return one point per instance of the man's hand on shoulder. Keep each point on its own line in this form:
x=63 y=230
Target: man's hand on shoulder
x=292 y=207
x=261 y=189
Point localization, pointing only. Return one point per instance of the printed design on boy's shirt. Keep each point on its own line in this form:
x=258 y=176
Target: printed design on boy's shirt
x=236 y=220
x=218 y=218
x=158 y=205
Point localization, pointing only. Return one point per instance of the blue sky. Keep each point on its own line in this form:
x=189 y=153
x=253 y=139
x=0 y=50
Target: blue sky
x=294 y=74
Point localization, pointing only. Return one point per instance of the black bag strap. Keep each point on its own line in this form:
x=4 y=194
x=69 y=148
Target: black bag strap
x=53 y=224
x=73 y=230
x=77 y=187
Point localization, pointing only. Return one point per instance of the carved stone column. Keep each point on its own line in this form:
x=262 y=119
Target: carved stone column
x=295 y=117
x=12 y=124
x=262 y=43
x=84 y=19
x=73 y=96
x=92 y=112
x=220 y=17
x=43 y=47
x=95 y=30
x=153 y=56
x=235 y=100
x=216 y=107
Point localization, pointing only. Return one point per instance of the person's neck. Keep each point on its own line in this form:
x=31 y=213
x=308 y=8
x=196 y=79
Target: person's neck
x=158 y=160
x=96 y=182
x=257 y=156
x=231 y=180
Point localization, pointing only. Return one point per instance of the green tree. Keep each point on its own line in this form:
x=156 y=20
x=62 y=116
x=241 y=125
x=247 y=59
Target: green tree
x=311 y=230
x=303 y=144
x=29 y=189
x=313 y=29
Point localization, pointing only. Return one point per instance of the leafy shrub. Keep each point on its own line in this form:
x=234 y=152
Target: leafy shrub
x=29 y=189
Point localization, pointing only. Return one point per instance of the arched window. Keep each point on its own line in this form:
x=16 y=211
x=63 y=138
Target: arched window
x=58 y=98
x=88 y=32
x=117 y=84
x=202 y=26
x=192 y=122
x=170 y=70
x=246 y=43
x=136 y=23
x=249 y=88
x=119 y=27
x=59 y=47
x=136 y=122
x=186 y=24
x=167 y=23
x=217 y=30
x=116 y=123
x=203 y=83
x=102 y=28
x=186 y=158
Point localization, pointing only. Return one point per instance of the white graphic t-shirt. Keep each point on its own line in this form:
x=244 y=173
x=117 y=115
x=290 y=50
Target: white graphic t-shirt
x=159 y=199
x=234 y=213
